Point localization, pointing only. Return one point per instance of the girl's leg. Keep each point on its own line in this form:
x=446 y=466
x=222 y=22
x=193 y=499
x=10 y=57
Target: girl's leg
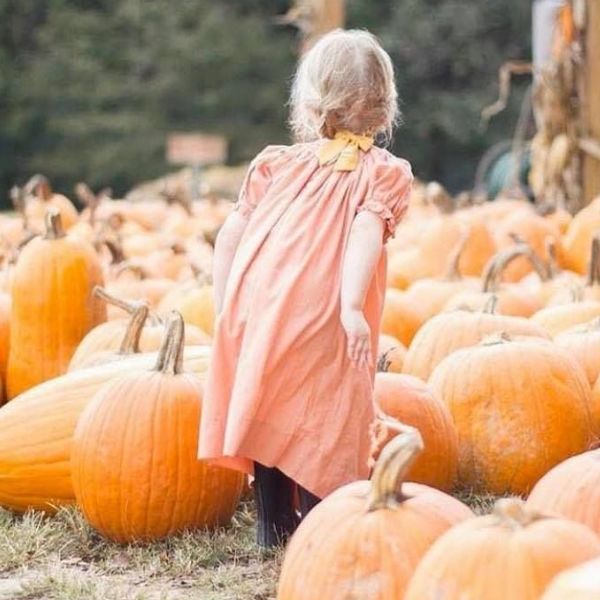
x=274 y=493
x=307 y=501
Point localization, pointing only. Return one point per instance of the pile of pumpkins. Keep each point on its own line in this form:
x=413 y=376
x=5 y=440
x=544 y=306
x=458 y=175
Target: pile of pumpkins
x=488 y=381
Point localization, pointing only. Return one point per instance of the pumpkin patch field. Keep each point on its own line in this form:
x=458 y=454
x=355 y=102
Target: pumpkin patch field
x=484 y=459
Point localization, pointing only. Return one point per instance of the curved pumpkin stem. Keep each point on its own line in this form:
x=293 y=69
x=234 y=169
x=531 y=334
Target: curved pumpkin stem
x=552 y=261
x=500 y=261
x=489 y=308
x=130 y=267
x=54 y=226
x=593 y=277
x=128 y=307
x=393 y=464
x=453 y=273
x=39 y=186
x=170 y=355
x=114 y=248
x=513 y=513
x=135 y=327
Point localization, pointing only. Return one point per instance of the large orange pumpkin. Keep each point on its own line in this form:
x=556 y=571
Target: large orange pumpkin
x=36 y=430
x=411 y=401
x=571 y=490
x=53 y=306
x=135 y=469
x=519 y=406
x=452 y=331
x=4 y=341
x=510 y=554
x=365 y=540
x=578 y=583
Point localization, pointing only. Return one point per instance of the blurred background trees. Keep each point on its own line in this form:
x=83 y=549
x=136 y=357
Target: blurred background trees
x=89 y=89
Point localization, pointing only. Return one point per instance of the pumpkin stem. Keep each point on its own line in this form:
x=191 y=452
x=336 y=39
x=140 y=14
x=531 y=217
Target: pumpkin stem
x=552 y=261
x=137 y=270
x=88 y=199
x=113 y=247
x=54 y=226
x=128 y=307
x=512 y=512
x=491 y=304
x=135 y=327
x=383 y=362
x=39 y=186
x=393 y=464
x=453 y=272
x=496 y=338
x=499 y=262
x=594 y=264
x=170 y=355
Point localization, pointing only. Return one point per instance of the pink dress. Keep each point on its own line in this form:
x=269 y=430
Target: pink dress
x=281 y=390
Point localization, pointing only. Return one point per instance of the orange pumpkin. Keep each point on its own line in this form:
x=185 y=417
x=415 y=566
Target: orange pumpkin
x=52 y=306
x=510 y=554
x=411 y=401
x=578 y=239
x=512 y=299
x=559 y=318
x=583 y=344
x=391 y=353
x=4 y=341
x=519 y=406
x=135 y=470
x=141 y=333
x=36 y=430
x=452 y=331
x=401 y=318
x=365 y=540
x=42 y=199
x=578 y=583
x=571 y=490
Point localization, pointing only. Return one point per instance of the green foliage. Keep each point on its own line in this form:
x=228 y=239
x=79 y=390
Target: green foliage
x=89 y=89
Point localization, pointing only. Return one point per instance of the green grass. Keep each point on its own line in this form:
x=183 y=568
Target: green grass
x=62 y=558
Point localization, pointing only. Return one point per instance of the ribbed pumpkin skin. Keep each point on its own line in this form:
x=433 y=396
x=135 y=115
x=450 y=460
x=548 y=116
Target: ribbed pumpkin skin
x=52 y=309
x=106 y=339
x=483 y=560
x=37 y=427
x=343 y=551
x=556 y=319
x=579 y=583
x=452 y=331
x=571 y=490
x=135 y=470
x=412 y=402
x=583 y=344
x=401 y=318
x=519 y=407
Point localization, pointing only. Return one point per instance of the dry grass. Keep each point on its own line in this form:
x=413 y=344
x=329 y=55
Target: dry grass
x=62 y=558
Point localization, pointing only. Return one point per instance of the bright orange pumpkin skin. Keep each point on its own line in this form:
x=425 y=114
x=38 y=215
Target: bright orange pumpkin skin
x=5 y=303
x=520 y=407
x=341 y=550
x=135 y=470
x=452 y=331
x=52 y=309
x=571 y=490
x=401 y=318
x=487 y=559
x=411 y=401
x=37 y=427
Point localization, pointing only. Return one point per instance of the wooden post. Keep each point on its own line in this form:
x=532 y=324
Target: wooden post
x=591 y=164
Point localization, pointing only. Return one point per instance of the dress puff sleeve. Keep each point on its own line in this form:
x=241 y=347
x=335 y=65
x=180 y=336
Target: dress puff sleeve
x=390 y=187
x=257 y=180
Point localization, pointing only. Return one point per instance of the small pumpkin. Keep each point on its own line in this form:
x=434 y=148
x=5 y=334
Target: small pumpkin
x=134 y=461
x=52 y=305
x=411 y=401
x=519 y=406
x=571 y=490
x=36 y=430
x=578 y=583
x=451 y=331
x=366 y=539
x=512 y=553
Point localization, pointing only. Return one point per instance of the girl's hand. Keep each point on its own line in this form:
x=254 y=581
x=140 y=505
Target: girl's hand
x=358 y=334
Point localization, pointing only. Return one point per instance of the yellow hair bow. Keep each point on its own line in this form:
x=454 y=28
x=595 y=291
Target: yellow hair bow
x=344 y=149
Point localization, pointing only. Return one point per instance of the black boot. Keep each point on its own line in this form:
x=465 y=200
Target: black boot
x=274 y=494
x=307 y=501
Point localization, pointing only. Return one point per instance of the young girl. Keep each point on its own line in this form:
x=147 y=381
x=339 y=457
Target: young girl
x=299 y=276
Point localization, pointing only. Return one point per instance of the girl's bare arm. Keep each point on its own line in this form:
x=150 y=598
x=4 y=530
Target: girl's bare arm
x=226 y=246
x=360 y=261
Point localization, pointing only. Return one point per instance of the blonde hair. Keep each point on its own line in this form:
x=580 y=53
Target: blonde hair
x=345 y=81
